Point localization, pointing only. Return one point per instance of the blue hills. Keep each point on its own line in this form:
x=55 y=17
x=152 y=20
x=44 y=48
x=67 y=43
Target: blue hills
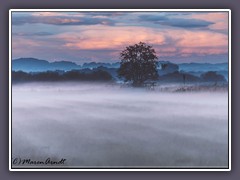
x=33 y=65
x=37 y=65
x=187 y=67
x=168 y=72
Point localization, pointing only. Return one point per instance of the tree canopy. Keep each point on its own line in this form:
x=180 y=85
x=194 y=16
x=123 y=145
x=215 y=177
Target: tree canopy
x=138 y=64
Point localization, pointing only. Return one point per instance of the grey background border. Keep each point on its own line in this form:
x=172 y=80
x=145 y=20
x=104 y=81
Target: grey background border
x=5 y=5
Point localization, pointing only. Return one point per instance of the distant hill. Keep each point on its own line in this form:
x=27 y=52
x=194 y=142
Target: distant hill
x=164 y=67
x=64 y=65
x=203 y=67
x=37 y=65
x=198 y=69
x=92 y=65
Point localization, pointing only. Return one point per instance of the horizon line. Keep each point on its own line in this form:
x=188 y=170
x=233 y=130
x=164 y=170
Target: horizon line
x=115 y=61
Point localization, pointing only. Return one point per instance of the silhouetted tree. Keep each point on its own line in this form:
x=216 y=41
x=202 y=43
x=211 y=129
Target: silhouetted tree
x=212 y=76
x=184 y=78
x=164 y=66
x=138 y=64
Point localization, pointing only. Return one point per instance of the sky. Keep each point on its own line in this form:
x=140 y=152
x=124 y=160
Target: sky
x=80 y=37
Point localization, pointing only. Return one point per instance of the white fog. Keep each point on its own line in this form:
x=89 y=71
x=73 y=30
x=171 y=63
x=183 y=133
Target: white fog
x=107 y=126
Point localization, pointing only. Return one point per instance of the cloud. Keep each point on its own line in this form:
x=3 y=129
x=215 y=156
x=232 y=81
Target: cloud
x=184 y=36
x=54 y=14
x=110 y=38
x=105 y=42
x=106 y=14
x=166 y=42
x=186 y=23
x=213 y=17
x=33 y=34
x=154 y=18
x=220 y=20
x=60 y=20
x=198 y=42
x=202 y=39
x=176 y=22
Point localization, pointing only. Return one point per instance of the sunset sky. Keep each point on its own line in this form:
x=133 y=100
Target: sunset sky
x=101 y=36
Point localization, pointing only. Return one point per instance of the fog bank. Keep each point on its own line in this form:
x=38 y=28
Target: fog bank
x=103 y=125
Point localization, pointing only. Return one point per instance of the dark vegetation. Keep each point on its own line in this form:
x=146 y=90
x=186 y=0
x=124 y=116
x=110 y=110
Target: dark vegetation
x=212 y=76
x=98 y=75
x=138 y=64
x=182 y=77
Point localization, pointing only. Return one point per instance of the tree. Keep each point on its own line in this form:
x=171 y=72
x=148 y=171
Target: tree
x=164 y=66
x=138 y=64
x=212 y=76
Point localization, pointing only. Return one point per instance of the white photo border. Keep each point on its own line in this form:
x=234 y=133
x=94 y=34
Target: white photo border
x=125 y=168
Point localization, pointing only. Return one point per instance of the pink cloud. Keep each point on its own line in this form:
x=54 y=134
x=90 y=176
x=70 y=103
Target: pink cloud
x=202 y=43
x=218 y=16
x=51 y=14
x=101 y=41
x=202 y=39
x=220 y=19
x=101 y=37
x=219 y=26
x=166 y=42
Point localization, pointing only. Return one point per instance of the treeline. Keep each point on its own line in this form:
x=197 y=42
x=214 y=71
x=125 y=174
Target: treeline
x=177 y=76
x=99 y=75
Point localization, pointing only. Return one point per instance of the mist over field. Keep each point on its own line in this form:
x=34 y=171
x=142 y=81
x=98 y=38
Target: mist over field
x=105 y=125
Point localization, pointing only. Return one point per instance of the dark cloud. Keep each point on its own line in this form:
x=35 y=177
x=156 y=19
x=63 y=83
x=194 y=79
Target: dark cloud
x=61 y=20
x=107 y=14
x=154 y=18
x=43 y=34
x=179 y=13
x=186 y=23
x=33 y=34
x=176 y=22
